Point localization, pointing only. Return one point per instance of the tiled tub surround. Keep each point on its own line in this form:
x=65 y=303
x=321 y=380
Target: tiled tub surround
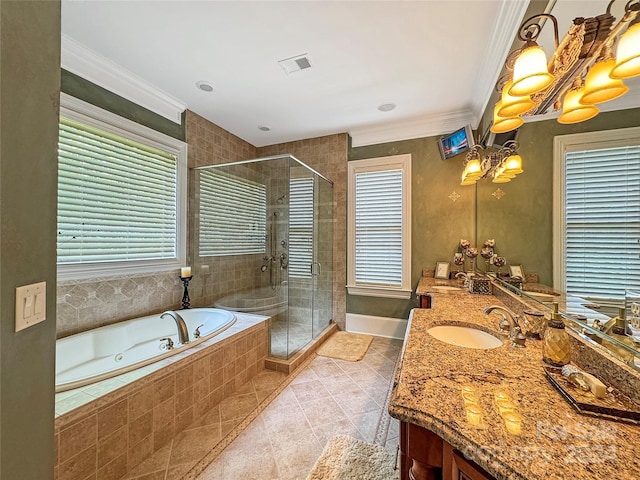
x=555 y=442
x=86 y=304
x=106 y=429
x=105 y=352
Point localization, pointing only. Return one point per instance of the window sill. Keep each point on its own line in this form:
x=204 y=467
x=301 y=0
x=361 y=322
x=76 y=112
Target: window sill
x=96 y=271
x=385 y=292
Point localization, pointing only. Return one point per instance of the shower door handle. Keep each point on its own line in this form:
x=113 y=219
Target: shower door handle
x=315 y=268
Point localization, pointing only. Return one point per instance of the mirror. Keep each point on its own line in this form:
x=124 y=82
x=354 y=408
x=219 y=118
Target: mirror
x=585 y=321
x=519 y=214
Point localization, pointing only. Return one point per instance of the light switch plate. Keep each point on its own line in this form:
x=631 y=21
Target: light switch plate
x=31 y=305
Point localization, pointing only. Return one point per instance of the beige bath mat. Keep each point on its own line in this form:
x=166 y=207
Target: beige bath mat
x=346 y=346
x=346 y=458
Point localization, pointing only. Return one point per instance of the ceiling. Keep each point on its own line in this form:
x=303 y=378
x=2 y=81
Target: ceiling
x=436 y=61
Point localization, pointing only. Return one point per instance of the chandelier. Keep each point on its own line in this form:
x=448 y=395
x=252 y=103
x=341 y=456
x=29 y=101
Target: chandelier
x=501 y=166
x=582 y=72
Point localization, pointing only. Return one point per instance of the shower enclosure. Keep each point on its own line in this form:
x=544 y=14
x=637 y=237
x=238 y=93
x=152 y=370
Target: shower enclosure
x=262 y=242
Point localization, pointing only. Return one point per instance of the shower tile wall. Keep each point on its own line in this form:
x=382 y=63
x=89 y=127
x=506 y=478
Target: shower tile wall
x=216 y=277
x=328 y=156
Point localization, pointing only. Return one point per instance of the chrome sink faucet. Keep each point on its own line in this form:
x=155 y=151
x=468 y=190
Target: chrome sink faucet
x=183 y=333
x=508 y=324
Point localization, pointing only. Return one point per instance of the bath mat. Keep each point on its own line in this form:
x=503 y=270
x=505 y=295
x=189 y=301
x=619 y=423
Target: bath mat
x=347 y=458
x=346 y=346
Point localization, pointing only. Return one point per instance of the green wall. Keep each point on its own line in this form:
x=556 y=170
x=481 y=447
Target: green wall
x=437 y=222
x=521 y=221
x=29 y=90
x=91 y=93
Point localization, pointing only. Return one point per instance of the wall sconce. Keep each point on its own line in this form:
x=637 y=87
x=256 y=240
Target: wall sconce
x=501 y=166
x=534 y=85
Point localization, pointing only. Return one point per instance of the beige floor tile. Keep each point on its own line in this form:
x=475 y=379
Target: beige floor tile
x=330 y=397
x=212 y=417
x=340 y=384
x=192 y=445
x=305 y=376
x=309 y=390
x=325 y=369
x=238 y=406
x=157 y=462
x=342 y=427
x=295 y=456
x=367 y=423
x=354 y=403
x=322 y=410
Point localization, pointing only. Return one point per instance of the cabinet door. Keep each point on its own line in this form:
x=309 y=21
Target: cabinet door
x=420 y=453
x=456 y=467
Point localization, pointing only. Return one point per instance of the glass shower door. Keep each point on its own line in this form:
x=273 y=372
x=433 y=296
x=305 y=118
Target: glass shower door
x=322 y=265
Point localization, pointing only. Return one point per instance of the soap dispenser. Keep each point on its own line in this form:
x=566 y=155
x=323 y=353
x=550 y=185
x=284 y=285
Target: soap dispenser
x=618 y=332
x=556 y=349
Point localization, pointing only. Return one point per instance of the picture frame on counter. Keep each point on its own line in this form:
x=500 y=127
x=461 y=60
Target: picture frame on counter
x=442 y=270
x=516 y=271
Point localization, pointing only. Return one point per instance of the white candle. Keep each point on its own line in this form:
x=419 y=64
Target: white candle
x=185 y=272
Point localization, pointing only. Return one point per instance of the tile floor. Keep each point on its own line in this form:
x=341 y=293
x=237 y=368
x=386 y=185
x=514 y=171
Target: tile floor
x=328 y=397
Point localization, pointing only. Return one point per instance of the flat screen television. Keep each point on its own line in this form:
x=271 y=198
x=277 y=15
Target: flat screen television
x=456 y=143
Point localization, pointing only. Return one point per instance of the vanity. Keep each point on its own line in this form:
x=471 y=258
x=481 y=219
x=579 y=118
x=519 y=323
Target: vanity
x=485 y=413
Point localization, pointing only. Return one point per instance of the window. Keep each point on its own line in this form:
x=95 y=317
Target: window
x=379 y=227
x=233 y=214
x=597 y=214
x=300 y=227
x=121 y=195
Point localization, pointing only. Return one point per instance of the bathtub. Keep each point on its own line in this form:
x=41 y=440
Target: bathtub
x=108 y=351
x=263 y=301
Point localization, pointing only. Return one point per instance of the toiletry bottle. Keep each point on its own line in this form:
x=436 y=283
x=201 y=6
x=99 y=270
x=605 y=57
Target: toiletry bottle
x=556 y=349
x=618 y=331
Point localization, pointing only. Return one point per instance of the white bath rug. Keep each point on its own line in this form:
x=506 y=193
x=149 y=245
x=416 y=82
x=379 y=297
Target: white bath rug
x=347 y=458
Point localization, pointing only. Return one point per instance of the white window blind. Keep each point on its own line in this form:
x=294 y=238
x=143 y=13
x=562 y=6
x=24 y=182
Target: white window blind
x=232 y=214
x=117 y=199
x=300 y=227
x=378 y=228
x=602 y=222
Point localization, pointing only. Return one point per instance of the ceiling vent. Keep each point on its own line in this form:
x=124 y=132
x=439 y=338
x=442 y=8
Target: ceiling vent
x=295 y=64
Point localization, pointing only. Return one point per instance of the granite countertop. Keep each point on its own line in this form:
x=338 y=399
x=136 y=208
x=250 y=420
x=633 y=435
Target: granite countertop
x=437 y=385
x=537 y=291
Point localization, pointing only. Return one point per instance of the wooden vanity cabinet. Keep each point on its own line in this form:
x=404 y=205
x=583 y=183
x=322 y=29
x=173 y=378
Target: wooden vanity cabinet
x=426 y=456
x=425 y=301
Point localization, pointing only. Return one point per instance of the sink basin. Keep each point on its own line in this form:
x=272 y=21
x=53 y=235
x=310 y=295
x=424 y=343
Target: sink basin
x=468 y=337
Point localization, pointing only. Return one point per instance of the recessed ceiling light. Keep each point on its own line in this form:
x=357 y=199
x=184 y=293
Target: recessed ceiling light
x=264 y=128
x=204 y=86
x=387 y=107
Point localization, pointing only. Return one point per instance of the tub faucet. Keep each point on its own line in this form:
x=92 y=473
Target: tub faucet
x=508 y=324
x=183 y=333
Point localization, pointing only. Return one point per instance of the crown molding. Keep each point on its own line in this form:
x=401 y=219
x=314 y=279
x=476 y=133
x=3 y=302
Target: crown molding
x=505 y=28
x=419 y=127
x=90 y=65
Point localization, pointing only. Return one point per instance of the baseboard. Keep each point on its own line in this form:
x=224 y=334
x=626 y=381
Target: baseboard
x=379 y=326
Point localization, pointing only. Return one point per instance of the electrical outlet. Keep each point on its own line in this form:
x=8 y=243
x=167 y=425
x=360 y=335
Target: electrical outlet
x=31 y=305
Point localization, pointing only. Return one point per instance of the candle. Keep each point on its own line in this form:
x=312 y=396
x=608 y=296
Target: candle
x=474 y=415
x=504 y=405
x=185 y=272
x=513 y=422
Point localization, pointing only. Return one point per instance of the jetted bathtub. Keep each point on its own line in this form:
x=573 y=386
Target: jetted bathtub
x=105 y=352
x=262 y=301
